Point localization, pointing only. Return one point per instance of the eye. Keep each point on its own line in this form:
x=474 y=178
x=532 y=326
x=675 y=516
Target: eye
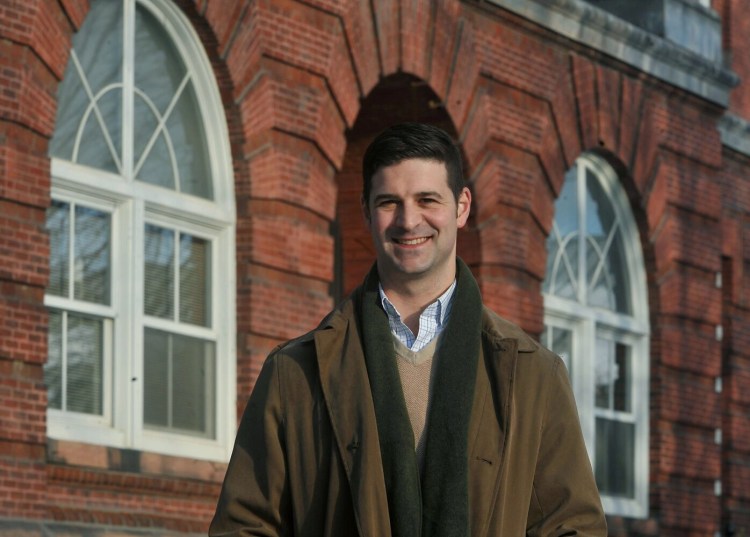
x=427 y=201
x=385 y=203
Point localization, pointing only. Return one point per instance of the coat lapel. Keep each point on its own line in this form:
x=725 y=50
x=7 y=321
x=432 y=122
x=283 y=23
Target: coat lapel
x=346 y=391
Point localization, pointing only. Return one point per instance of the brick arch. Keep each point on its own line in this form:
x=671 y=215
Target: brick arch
x=396 y=98
x=298 y=73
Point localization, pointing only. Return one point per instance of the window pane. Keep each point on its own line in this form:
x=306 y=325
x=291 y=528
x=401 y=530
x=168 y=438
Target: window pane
x=566 y=206
x=562 y=244
x=179 y=382
x=194 y=382
x=159 y=272
x=58 y=226
x=150 y=147
x=53 y=367
x=90 y=93
x=613 y=375
x=615 y=442
x=159 y=69
x=606 y=268
x=623 y=384
x=195 y=295
x=189 y=138
x=156 y=353
x=565 y=277
x=163 y=81
x=101 y=138
x=84 y=369
x=157 y=168
x=92 y=256
x=560 y=341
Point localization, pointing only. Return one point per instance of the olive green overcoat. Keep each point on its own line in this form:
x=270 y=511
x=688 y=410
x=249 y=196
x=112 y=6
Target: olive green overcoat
x=306 y=460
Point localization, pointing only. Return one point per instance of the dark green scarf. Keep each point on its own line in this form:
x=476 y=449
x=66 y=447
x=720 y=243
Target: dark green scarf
x=439 y=506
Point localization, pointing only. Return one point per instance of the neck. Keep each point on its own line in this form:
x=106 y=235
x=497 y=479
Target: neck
x=411 y=298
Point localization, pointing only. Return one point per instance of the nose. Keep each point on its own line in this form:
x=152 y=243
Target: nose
x=408 y=216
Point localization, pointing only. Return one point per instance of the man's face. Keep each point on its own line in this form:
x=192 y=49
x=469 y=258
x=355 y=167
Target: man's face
x=413 y=218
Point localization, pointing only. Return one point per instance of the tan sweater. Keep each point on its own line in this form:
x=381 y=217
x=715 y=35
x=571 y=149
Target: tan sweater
x=416 y=372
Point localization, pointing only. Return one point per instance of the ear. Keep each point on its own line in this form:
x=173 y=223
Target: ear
x=463 y=207
x=365 y=209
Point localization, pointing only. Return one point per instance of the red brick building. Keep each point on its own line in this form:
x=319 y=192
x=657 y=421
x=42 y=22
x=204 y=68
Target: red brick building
x=179 y=185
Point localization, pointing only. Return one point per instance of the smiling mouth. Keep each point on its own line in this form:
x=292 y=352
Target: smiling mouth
x=411 y=242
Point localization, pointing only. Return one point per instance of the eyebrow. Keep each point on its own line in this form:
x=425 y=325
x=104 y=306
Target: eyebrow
x=426 y=193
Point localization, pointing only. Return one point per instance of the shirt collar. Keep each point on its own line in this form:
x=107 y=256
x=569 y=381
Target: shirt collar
x=440 y=308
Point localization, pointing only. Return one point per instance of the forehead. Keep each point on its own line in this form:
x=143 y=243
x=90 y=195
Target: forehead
x=411 y=175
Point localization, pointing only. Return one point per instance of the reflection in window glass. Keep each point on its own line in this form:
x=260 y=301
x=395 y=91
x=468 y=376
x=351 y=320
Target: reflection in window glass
x=163 y=273
x=560 y=341
x=89 y=111
x=159 y=272
x=615 y=443
x=179 y=374
x=606 y=268
x=53 y=376
x=84 y=368
x=92 y=255
x=58 y=227
x=189 y=139
x=74 y=372
x=194 y=280
x=562 y=243
x=613 y=376
x=170 y=142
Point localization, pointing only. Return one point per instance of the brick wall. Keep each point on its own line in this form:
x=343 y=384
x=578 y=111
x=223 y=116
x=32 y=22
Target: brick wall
x=736 y=358
x=305 y=86
x=33 y=49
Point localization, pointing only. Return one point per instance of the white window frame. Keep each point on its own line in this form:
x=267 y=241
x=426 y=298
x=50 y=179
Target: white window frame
x=133 y=204
x=633 y=330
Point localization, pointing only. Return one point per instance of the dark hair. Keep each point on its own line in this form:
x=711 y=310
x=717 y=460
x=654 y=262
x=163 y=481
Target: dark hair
x=412 y=141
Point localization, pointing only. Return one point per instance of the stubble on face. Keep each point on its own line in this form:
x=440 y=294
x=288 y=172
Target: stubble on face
x=413 y=218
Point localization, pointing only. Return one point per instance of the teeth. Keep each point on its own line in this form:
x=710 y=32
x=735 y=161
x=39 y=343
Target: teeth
x=411 y=241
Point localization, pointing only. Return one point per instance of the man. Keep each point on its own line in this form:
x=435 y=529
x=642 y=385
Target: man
x=412 y=410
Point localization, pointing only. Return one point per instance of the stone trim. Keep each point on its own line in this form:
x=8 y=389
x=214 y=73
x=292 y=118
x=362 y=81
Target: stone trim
x=659 y=57
x=735 y=133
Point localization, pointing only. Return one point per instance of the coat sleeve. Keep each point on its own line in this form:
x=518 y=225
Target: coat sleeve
x=254 y=499
x=565 y=499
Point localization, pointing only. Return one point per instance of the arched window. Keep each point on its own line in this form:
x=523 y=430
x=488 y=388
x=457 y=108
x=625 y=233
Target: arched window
x=596 y=319
x=141 y=293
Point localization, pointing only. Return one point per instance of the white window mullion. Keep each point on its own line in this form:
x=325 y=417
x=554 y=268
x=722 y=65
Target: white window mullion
x=136 y=359
x=123 y=299
x=128 y=93
x=176 y=298
x=223 y=321
x=71 y=250
x=586 y=389
x=170 y=380
x=581 y=193
x=108 y=386
x=64 y=361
